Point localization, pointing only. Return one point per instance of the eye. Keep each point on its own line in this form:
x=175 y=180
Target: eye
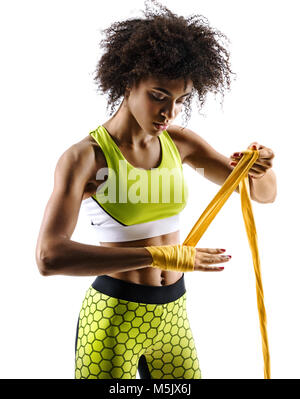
x=163 y=98
x=157 y=98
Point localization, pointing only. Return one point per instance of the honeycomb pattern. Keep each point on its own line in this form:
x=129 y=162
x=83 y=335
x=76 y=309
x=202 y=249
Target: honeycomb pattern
x=113 y=333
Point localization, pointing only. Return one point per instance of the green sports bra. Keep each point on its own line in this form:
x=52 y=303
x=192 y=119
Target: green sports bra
x=133 y=195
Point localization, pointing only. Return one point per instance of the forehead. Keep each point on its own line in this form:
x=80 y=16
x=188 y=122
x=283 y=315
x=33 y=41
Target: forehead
x=172 y=85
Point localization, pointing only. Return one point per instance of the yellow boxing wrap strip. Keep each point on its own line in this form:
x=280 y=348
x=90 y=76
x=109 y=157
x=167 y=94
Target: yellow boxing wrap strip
x=178 y=257
x=238 y=177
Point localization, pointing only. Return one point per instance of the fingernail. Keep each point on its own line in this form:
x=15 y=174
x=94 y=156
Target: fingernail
x=223 y=250
x=221 y=268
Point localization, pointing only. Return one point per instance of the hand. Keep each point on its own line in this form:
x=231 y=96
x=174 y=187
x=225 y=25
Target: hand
x=208 y=256
x=261 y=165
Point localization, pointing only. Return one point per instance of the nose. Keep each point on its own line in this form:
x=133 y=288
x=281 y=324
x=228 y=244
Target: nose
x=169 y=111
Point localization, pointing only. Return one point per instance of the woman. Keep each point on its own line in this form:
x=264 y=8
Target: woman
x=133 y=317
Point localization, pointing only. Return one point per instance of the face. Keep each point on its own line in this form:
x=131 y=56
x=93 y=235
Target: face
x=157 y=100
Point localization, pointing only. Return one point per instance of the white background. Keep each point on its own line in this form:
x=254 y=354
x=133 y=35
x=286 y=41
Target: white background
x=49 y=51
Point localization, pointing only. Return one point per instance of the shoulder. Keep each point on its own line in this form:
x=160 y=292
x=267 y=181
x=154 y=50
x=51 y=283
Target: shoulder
x=78 y=162
x=77 y=154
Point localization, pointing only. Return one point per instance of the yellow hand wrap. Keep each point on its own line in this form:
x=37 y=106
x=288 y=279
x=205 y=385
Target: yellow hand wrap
x=178 y=257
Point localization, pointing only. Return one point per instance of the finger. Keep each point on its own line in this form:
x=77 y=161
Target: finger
x=270 y=156
x=206 y=260
x=210 y=250
x=256 y=146
x=264 y=152
x=258 y=168
x=236 y=155
x=208 y=269
x=267 y=163
x=257 y=176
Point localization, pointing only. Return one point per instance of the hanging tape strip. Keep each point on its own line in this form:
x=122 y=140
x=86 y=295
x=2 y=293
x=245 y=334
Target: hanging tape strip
x=239 y=177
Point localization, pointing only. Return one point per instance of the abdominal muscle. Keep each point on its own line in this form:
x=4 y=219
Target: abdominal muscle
x=148 y=275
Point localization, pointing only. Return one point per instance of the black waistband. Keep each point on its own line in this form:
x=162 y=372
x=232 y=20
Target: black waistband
x=139 y=293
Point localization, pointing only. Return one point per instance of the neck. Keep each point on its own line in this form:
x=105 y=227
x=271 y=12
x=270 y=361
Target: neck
x=125 y=129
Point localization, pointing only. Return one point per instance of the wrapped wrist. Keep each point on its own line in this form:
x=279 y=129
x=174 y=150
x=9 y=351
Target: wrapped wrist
x=173 y=257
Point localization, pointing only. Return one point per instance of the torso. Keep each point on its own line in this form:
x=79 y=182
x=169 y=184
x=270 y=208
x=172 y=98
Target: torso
x=148 y=158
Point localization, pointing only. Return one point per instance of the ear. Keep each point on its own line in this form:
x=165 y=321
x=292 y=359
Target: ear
x=127 y=93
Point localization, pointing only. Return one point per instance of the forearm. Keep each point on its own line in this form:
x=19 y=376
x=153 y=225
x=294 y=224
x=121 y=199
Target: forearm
x=264 y=190
x=67 y=257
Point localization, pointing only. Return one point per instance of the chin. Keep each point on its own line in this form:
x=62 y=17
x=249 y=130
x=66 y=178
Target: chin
x=153 y=129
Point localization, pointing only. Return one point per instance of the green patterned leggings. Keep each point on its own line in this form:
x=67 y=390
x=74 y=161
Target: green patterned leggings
x=124 y=328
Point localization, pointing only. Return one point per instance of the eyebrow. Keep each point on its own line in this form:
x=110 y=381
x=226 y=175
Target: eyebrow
x=168 y=93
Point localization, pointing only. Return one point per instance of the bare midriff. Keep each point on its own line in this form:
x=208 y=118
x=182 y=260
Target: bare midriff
x=148 y=275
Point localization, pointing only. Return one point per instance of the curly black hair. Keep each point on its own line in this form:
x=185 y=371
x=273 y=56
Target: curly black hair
x=163 y=44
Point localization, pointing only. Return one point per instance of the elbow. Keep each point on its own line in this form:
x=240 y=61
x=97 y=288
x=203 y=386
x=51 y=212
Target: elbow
x=45 y=262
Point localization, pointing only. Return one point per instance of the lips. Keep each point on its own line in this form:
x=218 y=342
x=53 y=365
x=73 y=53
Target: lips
x=160 y=125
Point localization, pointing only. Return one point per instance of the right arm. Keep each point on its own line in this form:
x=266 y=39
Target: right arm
x=55 y=252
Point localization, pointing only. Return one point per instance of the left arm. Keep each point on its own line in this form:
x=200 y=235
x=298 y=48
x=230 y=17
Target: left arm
x=202 y=157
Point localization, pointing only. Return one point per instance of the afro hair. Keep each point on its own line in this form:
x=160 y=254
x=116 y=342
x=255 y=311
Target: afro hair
x=163 y=44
